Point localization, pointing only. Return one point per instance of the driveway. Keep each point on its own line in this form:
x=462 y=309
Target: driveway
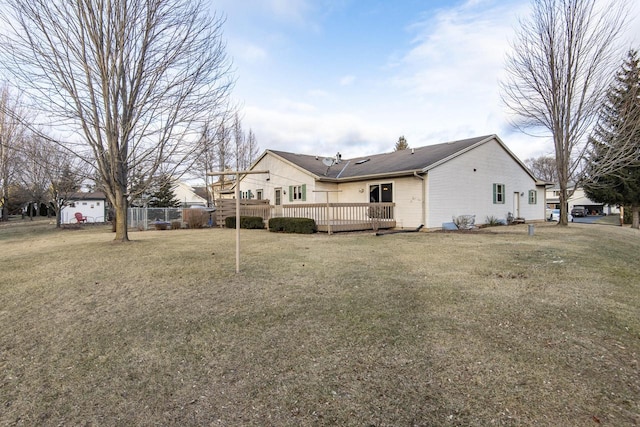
x=587 y=219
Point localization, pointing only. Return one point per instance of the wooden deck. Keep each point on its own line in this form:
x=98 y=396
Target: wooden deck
x=354 y=225
x=336 y=217
x=331 y=217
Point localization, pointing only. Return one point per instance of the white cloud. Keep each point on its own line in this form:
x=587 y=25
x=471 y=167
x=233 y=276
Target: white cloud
x=347 y=80
x=441 y=87
x=322 y=133
x=247 y=51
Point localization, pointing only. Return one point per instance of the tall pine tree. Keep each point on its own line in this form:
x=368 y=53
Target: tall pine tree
x=613 y=171
x=402 y=144
x=164 y=196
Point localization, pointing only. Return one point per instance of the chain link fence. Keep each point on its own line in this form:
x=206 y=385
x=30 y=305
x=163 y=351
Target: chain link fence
x=144 y=218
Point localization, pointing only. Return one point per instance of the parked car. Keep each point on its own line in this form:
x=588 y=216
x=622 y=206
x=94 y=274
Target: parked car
x=579 y=211
x=555 y=215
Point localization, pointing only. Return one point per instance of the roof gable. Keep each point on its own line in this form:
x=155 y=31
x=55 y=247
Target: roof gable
x=96 y=195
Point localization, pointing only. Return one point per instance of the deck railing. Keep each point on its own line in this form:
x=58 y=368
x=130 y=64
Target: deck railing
x=344 y=216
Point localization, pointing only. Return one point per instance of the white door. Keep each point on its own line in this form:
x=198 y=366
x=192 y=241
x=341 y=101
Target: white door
x=516 y=204
x=277 y=199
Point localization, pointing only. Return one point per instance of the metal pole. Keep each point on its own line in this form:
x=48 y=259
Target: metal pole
x=237 y=193
x=237 y=223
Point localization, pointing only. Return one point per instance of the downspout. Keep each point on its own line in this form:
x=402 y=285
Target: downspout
x=424 y=197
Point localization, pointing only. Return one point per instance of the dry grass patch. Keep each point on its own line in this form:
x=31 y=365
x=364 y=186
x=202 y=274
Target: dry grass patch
x=489 y=327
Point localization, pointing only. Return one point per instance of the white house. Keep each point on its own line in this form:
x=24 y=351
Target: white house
x=91 y=206
x=187 y=195
x=428 y=185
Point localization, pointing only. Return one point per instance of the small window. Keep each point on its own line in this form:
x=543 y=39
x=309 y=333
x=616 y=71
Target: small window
x=259 y=194
x=533 y=197
x=298 y=193
x=498 y=193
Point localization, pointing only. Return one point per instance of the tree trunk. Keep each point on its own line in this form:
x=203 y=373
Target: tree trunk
x=121 y=217
x=635 y=212
x=564 y=207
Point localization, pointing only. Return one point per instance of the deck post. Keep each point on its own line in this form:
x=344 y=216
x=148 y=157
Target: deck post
x=327 y=193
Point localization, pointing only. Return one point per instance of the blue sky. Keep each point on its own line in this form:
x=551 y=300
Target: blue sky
x=322 y=76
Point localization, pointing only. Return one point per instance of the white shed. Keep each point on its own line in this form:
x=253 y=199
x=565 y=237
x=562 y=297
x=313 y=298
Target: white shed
x=91 y=206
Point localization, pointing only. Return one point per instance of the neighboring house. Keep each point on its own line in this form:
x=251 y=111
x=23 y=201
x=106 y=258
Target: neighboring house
x=223 y=189
x=187 y=195
x=89 y=205
x=428 y=185
x=579 y=199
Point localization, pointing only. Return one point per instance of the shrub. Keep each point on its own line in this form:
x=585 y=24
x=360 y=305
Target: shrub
x=492 y=221
x=249 y=222
x=196 y=219
x=293 y=225
x=465 y=222
x=628 y=215
x=176 y=225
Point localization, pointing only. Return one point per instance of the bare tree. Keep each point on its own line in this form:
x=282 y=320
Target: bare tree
x=65 y=173
x=11 y=136
x=223 y=145
x=543 y=167
x=206 y=160
x=252 y=149
x=557 y=74
x=134 y=80
x=238 y=140
x=34 y=175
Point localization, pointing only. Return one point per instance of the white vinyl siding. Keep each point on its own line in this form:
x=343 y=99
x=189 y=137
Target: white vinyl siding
x=464 y=186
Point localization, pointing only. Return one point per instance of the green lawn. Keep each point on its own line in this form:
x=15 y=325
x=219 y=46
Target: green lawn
x=491 y=327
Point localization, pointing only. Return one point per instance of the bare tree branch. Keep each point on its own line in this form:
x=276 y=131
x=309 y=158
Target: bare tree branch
x=135 y=80
x=557 y=73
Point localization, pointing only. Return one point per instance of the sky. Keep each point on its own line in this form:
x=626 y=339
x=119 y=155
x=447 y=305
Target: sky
x=351 y=76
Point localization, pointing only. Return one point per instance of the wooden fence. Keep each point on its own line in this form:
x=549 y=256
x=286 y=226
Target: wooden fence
x=227 y=207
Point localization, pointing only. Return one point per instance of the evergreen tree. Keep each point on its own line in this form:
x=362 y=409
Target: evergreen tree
x=401 y=144
x=613 y=170
x=164 y=196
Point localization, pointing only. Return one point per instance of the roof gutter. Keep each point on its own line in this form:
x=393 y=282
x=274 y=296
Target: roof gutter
x=369 y=177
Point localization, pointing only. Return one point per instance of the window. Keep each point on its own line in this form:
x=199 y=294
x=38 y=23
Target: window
x=533 y=197
x=298 y=193
x=498 y=193
x=259 y=194
x=381 y=193
x=277 y=196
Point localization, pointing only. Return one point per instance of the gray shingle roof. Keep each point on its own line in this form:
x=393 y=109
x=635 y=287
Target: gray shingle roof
x=395 y=163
